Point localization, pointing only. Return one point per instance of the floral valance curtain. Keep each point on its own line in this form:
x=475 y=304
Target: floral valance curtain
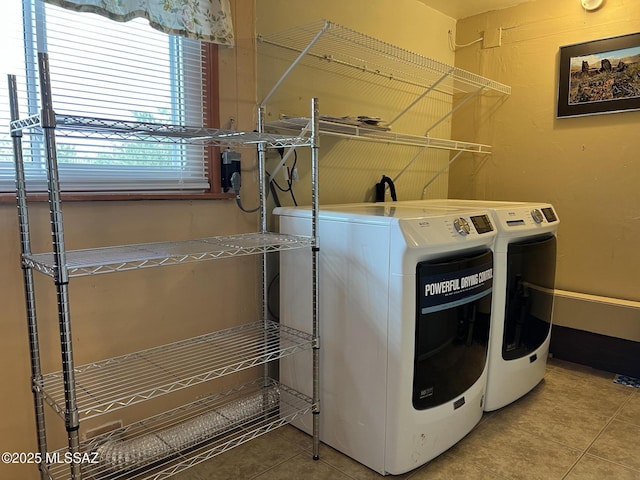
x=207 y=20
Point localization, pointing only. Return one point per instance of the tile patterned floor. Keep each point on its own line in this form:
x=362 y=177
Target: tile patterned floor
x=576 y=425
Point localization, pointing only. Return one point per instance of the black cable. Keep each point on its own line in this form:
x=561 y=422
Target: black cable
x=380 y=189
x=289 y=180
x=276 y=316
x=293 y=169
x=245 y=210
x=271 y=188
x=275 y=182
x=236 y=182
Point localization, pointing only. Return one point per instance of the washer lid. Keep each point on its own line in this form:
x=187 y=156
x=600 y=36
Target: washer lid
x=386 y=213
x=389 y=209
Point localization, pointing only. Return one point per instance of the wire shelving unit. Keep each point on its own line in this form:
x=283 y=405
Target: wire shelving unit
x=161 y=446
x=158 y=447
x=96 y=261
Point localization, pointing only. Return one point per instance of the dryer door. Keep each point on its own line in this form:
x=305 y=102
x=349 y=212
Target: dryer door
x=453 y=307
x=531 y=270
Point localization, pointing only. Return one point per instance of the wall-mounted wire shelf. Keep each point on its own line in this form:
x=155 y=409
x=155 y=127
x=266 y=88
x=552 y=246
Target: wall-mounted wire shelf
x=360 y=132
x=161 y=446
x=335 y=47
x=388 y=70
x=118 y=382
x=96 y=261
x=89 y=127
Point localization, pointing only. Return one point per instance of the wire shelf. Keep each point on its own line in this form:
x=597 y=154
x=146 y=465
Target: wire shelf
x=365 y=133
x=166 y=444
x=146 y=255
x=339 y=47
x=101 y=128
x=118 y=382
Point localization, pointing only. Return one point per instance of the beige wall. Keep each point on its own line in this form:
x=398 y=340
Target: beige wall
x=587 y=167
x=536 y=158
x=118 y=313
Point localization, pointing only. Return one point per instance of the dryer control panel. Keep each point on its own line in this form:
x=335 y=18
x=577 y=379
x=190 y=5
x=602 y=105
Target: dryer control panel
x=469 y=228
x=526 y=217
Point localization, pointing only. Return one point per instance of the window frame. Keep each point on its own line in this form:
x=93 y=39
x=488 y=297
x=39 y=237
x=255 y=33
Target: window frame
x=211 y=103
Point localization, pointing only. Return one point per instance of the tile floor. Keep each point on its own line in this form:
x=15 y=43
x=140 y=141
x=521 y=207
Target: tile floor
x=576 y=424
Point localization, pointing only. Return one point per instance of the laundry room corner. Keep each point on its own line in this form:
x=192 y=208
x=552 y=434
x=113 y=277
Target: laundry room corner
x=585 y=166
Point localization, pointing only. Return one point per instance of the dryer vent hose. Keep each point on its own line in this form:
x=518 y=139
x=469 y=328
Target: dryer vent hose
x=140 y=451
x=381 y=188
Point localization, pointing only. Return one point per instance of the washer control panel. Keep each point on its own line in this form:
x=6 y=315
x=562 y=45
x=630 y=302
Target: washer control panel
x=482 y=223
x=462 y=226
x=449 y=229
x=472 y=225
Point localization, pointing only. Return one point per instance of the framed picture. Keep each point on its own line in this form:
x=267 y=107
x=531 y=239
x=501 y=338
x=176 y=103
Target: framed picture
x=602 y=76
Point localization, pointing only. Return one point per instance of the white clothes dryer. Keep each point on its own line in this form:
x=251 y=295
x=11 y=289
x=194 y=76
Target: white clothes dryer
x=524 y=280
x=404 y=309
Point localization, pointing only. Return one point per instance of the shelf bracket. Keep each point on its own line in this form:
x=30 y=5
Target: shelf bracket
x=296 y=62
x=409 y=163
x=287 y=154
x=440 y=172
x=453 y=110
x=424 y=94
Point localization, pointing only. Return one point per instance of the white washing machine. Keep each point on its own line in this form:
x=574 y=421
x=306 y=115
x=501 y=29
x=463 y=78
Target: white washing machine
x=524 y=280
x=404 y=309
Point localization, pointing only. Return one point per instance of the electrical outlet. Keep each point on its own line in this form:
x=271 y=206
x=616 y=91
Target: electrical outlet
x=492 y=38
x=229 y=164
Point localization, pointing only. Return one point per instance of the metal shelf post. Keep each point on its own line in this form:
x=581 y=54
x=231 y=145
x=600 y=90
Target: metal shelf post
x=29 y=292
x=48 y=123
x=315 y=145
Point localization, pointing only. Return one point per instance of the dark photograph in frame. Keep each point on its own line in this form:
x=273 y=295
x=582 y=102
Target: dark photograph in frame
x=600 y=76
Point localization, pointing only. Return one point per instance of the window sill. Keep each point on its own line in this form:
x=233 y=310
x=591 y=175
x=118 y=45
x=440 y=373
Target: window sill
x=84 y=197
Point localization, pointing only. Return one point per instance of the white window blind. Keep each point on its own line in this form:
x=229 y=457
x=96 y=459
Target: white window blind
x=104 y=69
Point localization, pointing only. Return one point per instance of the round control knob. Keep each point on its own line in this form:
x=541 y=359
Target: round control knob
x=461 y=226
x=537 y=215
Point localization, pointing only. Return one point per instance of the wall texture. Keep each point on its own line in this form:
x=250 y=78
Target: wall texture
x=587 y=167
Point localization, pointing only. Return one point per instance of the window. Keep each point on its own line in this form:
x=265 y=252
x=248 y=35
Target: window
x=105 y=69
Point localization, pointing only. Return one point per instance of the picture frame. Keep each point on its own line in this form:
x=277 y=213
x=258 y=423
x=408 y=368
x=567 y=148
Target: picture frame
x=600 y=76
